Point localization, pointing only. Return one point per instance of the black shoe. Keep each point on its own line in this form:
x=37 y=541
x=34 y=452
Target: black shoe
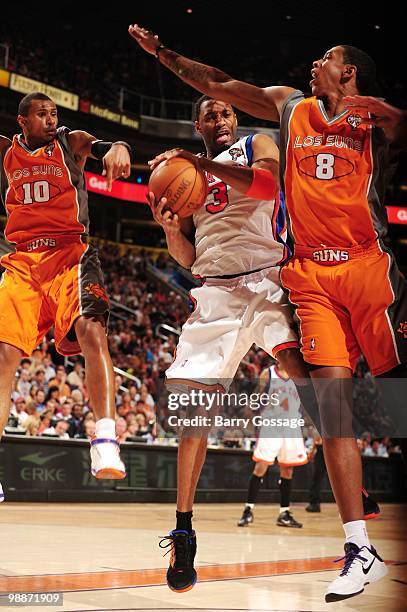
x=247 y=517
x=181 y=575
x=371 y=508
x=286 y=519
x=313 y=507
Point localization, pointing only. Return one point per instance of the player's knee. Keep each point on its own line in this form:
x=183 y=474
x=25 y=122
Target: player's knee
x=293 y=363
x=91 y=334
x=286 y=473
x=260 y=469
x=9 y=358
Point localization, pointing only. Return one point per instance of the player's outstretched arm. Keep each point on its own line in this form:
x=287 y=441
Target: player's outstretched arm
x=114 y=155
x=262 y=102
x=258 y=185
x=179 y=233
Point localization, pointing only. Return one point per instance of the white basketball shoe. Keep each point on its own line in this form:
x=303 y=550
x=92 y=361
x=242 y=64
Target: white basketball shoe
x=1 y=493
x=105 y=459
x=362 y=566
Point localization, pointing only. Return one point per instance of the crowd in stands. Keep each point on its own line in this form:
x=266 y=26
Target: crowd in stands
x=99 y=76
x=50 y=397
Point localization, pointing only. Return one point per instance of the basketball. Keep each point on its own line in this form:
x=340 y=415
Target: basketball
x=184 y=185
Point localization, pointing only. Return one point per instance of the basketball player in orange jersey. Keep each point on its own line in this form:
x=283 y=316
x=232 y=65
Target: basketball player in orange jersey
x=343 y=280
x=54 y=278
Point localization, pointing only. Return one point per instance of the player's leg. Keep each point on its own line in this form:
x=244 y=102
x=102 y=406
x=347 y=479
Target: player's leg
x=81 y=307
x=181 y=574
x=318 y=473
x=10 y=357
x=91 y=334
x=285 y=517
x=20 y=306
x=209 y=351
x=293 y=363
x=192 y=448
x=274 y=331
x=191 y=457
x=255 y=482
x=329 y=344
x=344 y=466
x=292 y=452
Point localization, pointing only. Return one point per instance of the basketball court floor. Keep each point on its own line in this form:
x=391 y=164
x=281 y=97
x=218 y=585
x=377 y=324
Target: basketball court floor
x=106 y=557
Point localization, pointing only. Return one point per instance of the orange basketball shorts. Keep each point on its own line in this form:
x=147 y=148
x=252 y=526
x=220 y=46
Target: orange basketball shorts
x=50 y=286
x=349 y=302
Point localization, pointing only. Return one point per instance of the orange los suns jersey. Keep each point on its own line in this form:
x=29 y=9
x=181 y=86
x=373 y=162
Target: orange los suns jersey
x=44 y=191
x=332 y=175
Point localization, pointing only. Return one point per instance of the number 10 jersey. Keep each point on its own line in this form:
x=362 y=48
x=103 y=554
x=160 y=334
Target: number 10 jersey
x=44 y=191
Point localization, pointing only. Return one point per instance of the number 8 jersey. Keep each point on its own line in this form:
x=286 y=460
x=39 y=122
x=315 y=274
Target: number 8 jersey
x=332 y=175
x=45 y=191
x=236 y=234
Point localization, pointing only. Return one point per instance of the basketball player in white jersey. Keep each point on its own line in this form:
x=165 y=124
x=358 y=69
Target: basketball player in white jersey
x=235 y=243
x=289 y=449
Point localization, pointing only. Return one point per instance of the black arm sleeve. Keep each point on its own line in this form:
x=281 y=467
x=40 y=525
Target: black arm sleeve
x=99 y=148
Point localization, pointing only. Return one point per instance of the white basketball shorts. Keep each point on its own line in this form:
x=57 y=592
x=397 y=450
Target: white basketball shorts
x=289 y=451
x=229 y=316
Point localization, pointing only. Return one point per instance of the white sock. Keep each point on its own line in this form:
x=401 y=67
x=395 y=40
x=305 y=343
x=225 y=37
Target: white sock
x=284 y=509
x=106 y=428
x=355 y=532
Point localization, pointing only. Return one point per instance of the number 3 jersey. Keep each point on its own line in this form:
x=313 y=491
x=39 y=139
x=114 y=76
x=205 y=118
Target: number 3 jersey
x=235 y=234
x=332 y=174
x=45 y=191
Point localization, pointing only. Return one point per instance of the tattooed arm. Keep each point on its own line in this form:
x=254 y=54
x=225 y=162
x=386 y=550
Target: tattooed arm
x=261 y=102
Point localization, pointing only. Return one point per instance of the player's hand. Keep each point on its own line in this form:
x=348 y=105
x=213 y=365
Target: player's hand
x=384 y=115
x=153 y=163
x=145 y=38
x=166 y=218
x=116 y=164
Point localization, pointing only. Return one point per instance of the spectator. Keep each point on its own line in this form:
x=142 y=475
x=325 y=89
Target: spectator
x=376 y=450
x=65 y=413
x=39 y=380
x=49 y=369
x=19 y=411
x=77 y=396
x=89 y=429
x=39 y=399
x=121 y=430
x=60 y=382
x=23 y=385
x=32 y=426
x=75 y=421
x=53 y=394
x=60 y=430
x=76 y=377
x=45 y=421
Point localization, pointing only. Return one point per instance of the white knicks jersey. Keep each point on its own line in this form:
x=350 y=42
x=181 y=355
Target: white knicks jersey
x=285 y=392
x=236 y=234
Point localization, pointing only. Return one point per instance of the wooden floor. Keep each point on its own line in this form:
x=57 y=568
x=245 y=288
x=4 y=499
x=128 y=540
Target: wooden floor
x=106 y=557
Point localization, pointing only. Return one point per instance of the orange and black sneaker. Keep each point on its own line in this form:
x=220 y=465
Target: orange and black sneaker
x=371 y=508
x=181 y=574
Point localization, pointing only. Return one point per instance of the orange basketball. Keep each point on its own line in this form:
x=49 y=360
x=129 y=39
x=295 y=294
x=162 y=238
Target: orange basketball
x=184 y=185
